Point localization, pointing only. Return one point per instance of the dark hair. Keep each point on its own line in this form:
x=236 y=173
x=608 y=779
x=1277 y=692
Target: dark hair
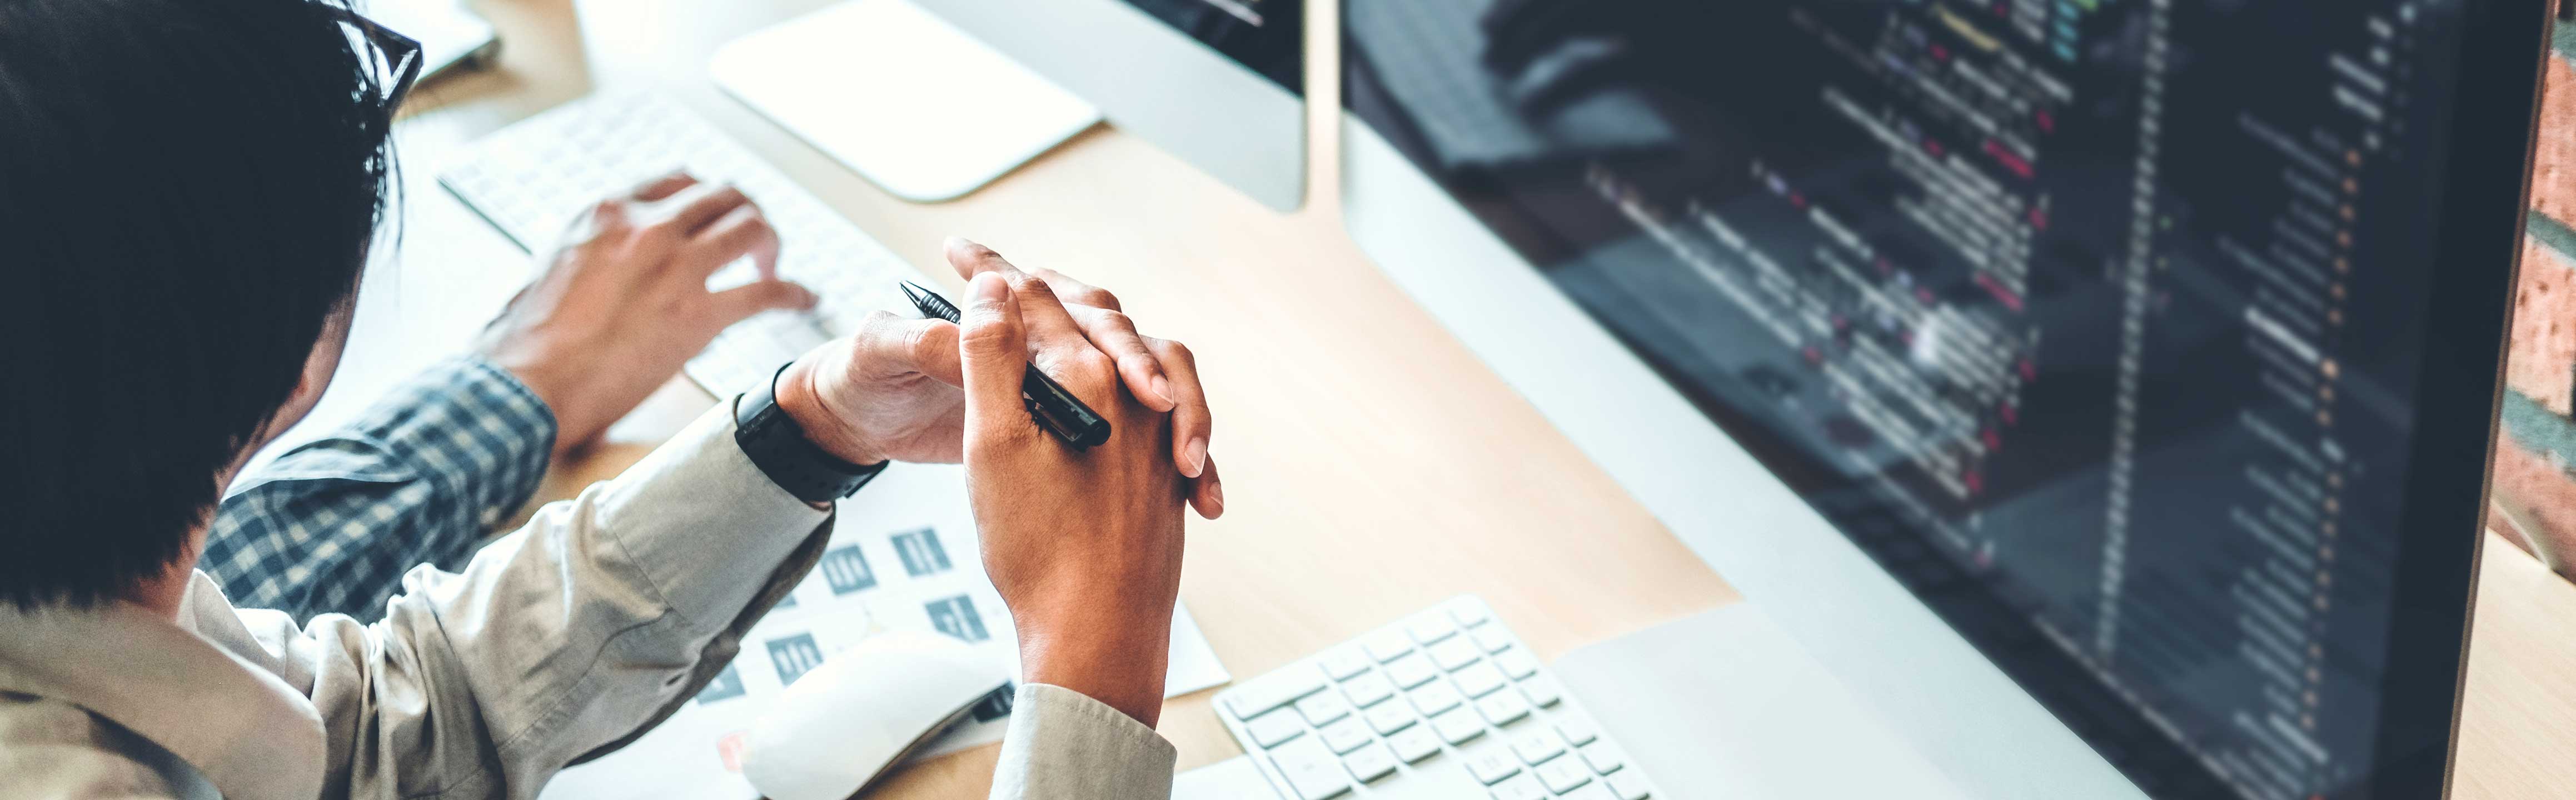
x=187 y=192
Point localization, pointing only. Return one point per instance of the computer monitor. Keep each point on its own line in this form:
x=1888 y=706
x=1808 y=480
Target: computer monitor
x=2100 y=390
x=1220 y=83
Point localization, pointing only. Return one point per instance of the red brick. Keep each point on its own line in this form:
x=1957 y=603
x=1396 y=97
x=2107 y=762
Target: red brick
x=2553 y=160
x=2542 y=490
x=2541 y=361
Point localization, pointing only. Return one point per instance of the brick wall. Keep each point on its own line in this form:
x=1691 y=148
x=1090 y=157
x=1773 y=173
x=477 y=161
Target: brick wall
x=2536 y=445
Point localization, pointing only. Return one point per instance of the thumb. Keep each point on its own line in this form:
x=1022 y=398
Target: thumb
x=740 y=302
x=888 y=346
x=993 y=351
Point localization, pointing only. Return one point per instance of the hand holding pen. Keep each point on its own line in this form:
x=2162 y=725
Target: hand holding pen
x=891 y=389
x=1084 y=546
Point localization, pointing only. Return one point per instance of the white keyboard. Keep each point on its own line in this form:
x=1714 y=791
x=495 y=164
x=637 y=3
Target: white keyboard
x=533 y=178
x=1446 y=703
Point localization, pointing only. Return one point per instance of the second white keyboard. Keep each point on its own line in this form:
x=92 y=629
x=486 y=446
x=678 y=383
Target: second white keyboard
x=533 y=178
x=1446 y=703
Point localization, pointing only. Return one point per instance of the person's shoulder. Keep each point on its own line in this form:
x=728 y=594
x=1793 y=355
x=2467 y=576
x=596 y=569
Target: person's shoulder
x=54 y=749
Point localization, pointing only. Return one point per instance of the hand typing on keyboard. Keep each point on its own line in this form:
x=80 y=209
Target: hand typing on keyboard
x=623 y=302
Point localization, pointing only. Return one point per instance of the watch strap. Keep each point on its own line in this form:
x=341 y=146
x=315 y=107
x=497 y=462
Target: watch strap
x=777 y=445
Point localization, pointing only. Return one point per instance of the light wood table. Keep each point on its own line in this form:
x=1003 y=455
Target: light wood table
x=1373 y=466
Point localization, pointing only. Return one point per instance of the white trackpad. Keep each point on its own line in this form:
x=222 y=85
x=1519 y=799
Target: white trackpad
x=907 y=100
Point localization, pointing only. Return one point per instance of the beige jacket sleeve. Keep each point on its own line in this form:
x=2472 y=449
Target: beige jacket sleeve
x=580 y=631
x=1063 y=745
x=563 y=639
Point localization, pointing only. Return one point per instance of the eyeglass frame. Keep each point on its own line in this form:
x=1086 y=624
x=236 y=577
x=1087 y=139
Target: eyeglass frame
x=398 y=51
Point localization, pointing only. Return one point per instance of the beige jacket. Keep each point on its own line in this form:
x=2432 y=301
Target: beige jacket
x=558 y=642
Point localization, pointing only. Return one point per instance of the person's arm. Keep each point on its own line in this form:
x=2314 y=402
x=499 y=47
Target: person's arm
x=331 y=525
x=612 y=314
x=1084 y=547
x=567 y=637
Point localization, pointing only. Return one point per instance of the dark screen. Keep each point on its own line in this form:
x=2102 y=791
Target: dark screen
x=2095 y=322
x=1265 y=36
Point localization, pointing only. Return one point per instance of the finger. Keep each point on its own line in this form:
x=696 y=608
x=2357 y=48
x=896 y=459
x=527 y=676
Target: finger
x=701 y=205
x=890 y=346
x=653 y=189
x=992 y=351
x=1115 y=334
x=604 y=216
x=1207 y=493
x=1074 y=291
x=742 y=231
x=1043 y=315
x=740 y=302
x=1191 y=422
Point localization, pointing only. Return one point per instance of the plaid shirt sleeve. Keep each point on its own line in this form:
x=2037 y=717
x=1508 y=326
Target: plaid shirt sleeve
x=332 y=525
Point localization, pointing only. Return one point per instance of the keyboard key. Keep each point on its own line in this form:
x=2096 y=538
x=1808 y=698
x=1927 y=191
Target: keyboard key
x=1590 y=791
x=1434 y=698
x=1272 y=691
x=1369 y=763
x=1520 y=788
x=1415 y=744
x=1503 y=709
x=1479 y=679
x=1468 y=614
x=1516 y=663
x=1603 y=757
x=1577 y=731
x=1347 y=735
x=1491 y=638
x=1629 y=786
x=1541 y=691
x=1458 y=725
x=1345 y=661
x=1430 y=628
x=1368 y=690
x=1314 y=772
x=1274 y=727
x=1387 y=645
x=1493 y=766
x=1563 y=775
x=1536 y=747
x=1322 y=708
x=1454 y=653
x=1391 y=717
x=1411 y=670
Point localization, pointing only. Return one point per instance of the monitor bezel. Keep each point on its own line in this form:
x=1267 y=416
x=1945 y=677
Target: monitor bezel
x=2478 y=236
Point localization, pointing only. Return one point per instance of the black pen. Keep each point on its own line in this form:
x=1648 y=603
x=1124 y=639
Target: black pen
x=1055 y=409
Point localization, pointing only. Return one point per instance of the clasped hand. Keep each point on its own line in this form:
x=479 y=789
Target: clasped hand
x=1084 y=547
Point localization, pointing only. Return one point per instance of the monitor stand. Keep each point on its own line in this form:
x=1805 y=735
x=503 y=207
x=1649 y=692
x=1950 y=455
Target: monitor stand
x=1724 y=704
x=907 y=100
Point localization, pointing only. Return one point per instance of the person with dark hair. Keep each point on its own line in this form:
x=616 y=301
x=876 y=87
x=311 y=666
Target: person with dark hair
x=188 y=193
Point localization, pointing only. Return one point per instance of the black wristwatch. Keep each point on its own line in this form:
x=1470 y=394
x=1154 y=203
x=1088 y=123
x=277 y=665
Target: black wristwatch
x=778 y=446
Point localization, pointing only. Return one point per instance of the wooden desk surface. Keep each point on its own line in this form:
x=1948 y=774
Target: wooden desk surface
x=1373 y=465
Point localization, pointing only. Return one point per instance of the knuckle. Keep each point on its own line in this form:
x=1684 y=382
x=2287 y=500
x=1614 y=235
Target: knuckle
x=1100 y=298
x=1175 y=352
x=1094 y=369
x=1028 y=285
x=989 y=337
x=917 y=342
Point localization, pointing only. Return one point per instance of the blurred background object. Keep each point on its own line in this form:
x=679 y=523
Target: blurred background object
x=2533 y=497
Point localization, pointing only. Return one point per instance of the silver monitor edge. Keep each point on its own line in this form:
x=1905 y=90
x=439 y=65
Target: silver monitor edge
x=1157 y=83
